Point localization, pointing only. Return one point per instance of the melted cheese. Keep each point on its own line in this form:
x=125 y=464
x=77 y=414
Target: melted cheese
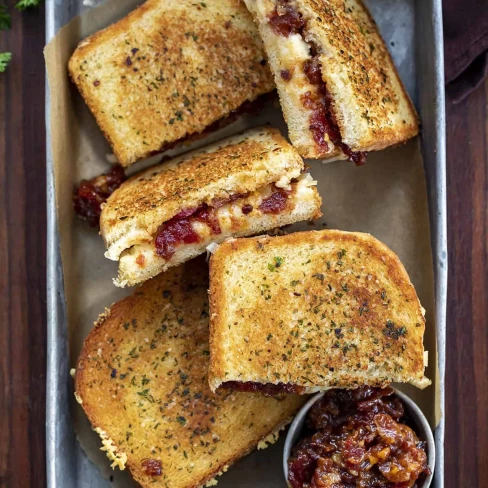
x=213 y=481
x=108 y=445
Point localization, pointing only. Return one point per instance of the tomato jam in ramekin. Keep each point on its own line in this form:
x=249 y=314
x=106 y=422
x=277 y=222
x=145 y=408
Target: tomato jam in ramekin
x=358 y=438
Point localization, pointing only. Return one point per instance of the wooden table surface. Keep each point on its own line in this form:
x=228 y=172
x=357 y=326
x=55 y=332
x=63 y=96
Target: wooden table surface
x=23 y=271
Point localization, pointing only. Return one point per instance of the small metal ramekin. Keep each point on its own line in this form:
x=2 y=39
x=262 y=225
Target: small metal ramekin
x=421 y=427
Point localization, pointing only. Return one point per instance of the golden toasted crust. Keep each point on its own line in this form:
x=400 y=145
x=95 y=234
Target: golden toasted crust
x=142 y=379
x=167 y=70
x=369 y=102
x=238 y=164
x=316 y=309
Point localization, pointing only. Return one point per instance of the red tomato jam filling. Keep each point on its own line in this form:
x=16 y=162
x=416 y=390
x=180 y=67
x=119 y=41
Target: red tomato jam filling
x=267 y=389
x=173 y=233
x=179 y=230
x=286 y=20
x=247 y=209
x=322 y=121
x=152 y=467
x=90 y=194
x=276 y=202
x=354 y=438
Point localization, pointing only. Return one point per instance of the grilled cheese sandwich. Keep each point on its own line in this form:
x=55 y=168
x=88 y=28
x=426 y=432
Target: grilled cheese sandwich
x=169 y=71
x=340 y=93
x=310 y=311
x=166 y=215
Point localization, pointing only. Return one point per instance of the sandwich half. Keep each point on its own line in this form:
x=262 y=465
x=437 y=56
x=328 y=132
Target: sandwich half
x=310 y=311
x=168 y=71
x=242 y=185
x=340 y=92
x=141 y=379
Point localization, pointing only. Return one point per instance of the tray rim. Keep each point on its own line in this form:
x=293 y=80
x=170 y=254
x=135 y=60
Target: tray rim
x=56 y=388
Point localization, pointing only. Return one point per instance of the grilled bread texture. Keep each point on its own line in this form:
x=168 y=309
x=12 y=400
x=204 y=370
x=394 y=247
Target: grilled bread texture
x=142 y=380
x=367 y=99
x=169 y=70
x=241 y=164
x=314 y=309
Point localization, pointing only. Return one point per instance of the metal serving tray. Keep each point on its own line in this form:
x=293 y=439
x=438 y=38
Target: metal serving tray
x=67 y=465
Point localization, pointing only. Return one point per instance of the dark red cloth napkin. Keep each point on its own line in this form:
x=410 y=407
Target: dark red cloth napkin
x=465 y=45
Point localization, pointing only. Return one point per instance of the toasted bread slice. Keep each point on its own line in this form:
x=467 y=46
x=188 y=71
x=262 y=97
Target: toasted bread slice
x=251 y=166
x=142 y=380
x=313 y=310
x=357 y=88
x=167 y=71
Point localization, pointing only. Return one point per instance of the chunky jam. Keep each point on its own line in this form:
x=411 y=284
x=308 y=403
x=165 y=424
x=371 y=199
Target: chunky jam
x=207 y=216
x=322 y=120
x=286 y=20
x=313 y=70
x=267 y=389
x=152 y=467
x=90 y=194
x=276 y=202
x=179 y=230
x=286 y=74
x=247 y=209
x=356 y=438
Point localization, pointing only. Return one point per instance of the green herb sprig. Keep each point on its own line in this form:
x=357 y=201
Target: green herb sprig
x=25 y=4
x=5 y=58
x=6 y=23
